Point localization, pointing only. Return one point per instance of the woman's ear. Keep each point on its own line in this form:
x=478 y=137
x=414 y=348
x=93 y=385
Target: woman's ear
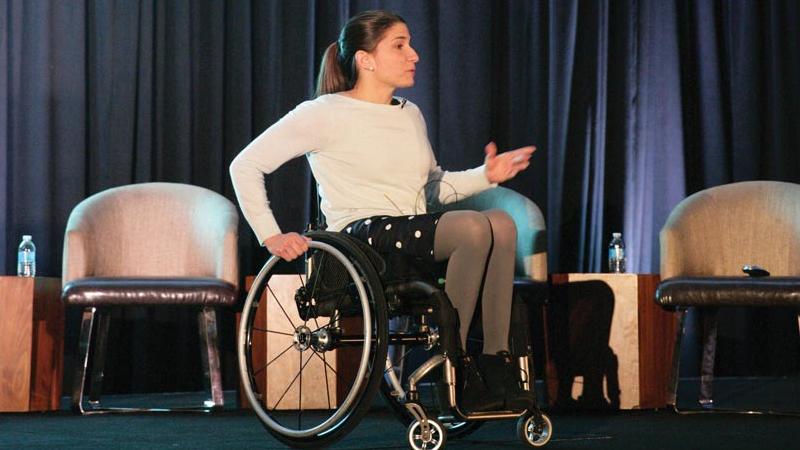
x=365 y=61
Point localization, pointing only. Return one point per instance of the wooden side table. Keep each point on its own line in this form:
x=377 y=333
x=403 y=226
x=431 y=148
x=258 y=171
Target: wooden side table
x=31 y=343
x=610 y=345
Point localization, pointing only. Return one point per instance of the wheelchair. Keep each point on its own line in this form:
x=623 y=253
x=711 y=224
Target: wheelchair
x=370 y=332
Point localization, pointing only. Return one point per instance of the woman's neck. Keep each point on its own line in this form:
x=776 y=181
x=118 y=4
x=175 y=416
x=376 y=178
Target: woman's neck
x=372 y=94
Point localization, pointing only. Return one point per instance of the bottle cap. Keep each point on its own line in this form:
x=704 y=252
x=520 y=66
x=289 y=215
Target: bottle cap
x=26 y=237
x=616 y=235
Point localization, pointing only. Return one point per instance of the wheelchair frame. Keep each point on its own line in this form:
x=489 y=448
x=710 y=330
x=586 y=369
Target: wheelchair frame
x=357 y=304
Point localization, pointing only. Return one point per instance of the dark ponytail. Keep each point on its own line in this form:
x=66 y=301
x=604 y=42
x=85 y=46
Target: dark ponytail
x=337 y=71
x=331 y=79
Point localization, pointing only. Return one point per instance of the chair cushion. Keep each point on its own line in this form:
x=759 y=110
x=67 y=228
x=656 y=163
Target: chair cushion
x=729 y=291
x=149 y=291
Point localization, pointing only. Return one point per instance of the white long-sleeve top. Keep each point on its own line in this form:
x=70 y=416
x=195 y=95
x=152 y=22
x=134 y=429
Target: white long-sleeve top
x=368 y=159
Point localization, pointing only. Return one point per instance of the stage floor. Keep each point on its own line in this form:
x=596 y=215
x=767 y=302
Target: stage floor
x=239 y=429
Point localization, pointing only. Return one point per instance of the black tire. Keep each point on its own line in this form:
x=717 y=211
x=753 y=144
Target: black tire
x=349 y=293
x=438 y=436
x=535 y=432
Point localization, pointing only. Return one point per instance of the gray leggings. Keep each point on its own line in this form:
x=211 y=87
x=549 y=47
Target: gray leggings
x=469 y=239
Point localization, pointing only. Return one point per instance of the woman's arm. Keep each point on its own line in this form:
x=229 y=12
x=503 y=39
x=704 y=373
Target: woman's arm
x=505 y=166
x=447 y=187
x=301 y=131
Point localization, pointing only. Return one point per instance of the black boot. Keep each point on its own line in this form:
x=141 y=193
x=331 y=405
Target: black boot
x=504 y=380
x=475 y=395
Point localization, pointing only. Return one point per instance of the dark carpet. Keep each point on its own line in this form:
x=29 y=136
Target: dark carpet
x=240 y=429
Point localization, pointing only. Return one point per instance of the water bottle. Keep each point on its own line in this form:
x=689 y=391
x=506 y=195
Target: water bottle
x=616 y=254
x=26 y=258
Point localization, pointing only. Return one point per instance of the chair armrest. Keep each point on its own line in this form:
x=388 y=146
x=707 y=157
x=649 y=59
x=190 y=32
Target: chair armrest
x=76 y=258
x=149 y=291
x=729 y=291
x=228 y=261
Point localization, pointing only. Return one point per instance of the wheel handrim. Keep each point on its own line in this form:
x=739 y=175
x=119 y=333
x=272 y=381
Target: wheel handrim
x=245 y=345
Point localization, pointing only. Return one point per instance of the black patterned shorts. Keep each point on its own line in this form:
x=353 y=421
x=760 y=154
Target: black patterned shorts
x=407 y=235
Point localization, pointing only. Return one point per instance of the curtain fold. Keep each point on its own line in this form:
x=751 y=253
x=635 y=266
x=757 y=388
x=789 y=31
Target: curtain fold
x=633 y=104
x=44 y=93
x=654 y=138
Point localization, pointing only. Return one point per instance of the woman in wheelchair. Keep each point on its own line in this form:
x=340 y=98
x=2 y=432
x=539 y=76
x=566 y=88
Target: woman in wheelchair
x=377 y=174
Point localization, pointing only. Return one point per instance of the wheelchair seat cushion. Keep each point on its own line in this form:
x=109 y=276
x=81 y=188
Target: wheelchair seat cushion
x=729 y=291
x=149 y=291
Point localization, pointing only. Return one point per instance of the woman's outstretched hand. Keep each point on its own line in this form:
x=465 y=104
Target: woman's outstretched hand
x=287 y=245
x=505 y=166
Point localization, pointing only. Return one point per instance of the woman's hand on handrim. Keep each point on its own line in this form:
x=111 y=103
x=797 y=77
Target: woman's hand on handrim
x=505 y=166
x=287 y=245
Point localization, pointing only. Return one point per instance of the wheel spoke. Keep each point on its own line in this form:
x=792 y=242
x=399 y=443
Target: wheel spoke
x=327 y=388
x=300 y=396
x=335 y=318
x=316 y=282
x=281 y=306
x=273 y=359
x=291 y=382
x=325 y=362
x=323 y=326
x=319 y=271
x=264 y=330
x=303 y=285
x=335 y=373
x=324 y=369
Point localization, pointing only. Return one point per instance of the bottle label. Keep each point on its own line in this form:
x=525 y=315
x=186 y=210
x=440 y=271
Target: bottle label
x=616 y=253
x=26 y=263
x=26 y=257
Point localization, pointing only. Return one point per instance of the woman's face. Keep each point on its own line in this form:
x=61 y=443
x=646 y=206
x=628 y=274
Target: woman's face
x=394 y=59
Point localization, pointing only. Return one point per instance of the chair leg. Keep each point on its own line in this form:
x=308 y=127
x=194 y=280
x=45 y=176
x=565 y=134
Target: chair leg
x=209 y=353
x=99 y=357
x=709 y=353
x=672 y=384
x=84 y=345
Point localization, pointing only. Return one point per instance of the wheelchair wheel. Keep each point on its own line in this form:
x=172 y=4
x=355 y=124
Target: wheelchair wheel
x=535 y=432
x=434 y=440
x=404 y=359
x=325 y=326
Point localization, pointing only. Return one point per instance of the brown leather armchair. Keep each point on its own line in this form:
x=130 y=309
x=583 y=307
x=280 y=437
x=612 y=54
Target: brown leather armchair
x=149 y=244
x=705 y=243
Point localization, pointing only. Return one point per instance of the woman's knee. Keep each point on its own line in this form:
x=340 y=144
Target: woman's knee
x=504 y=229
x=469 y=228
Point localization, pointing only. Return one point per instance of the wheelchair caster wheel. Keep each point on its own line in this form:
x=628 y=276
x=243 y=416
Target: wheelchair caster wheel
x=433 y=440
x=533 y=433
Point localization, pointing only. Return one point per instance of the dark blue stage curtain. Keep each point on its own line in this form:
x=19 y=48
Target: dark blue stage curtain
x=633 y=104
